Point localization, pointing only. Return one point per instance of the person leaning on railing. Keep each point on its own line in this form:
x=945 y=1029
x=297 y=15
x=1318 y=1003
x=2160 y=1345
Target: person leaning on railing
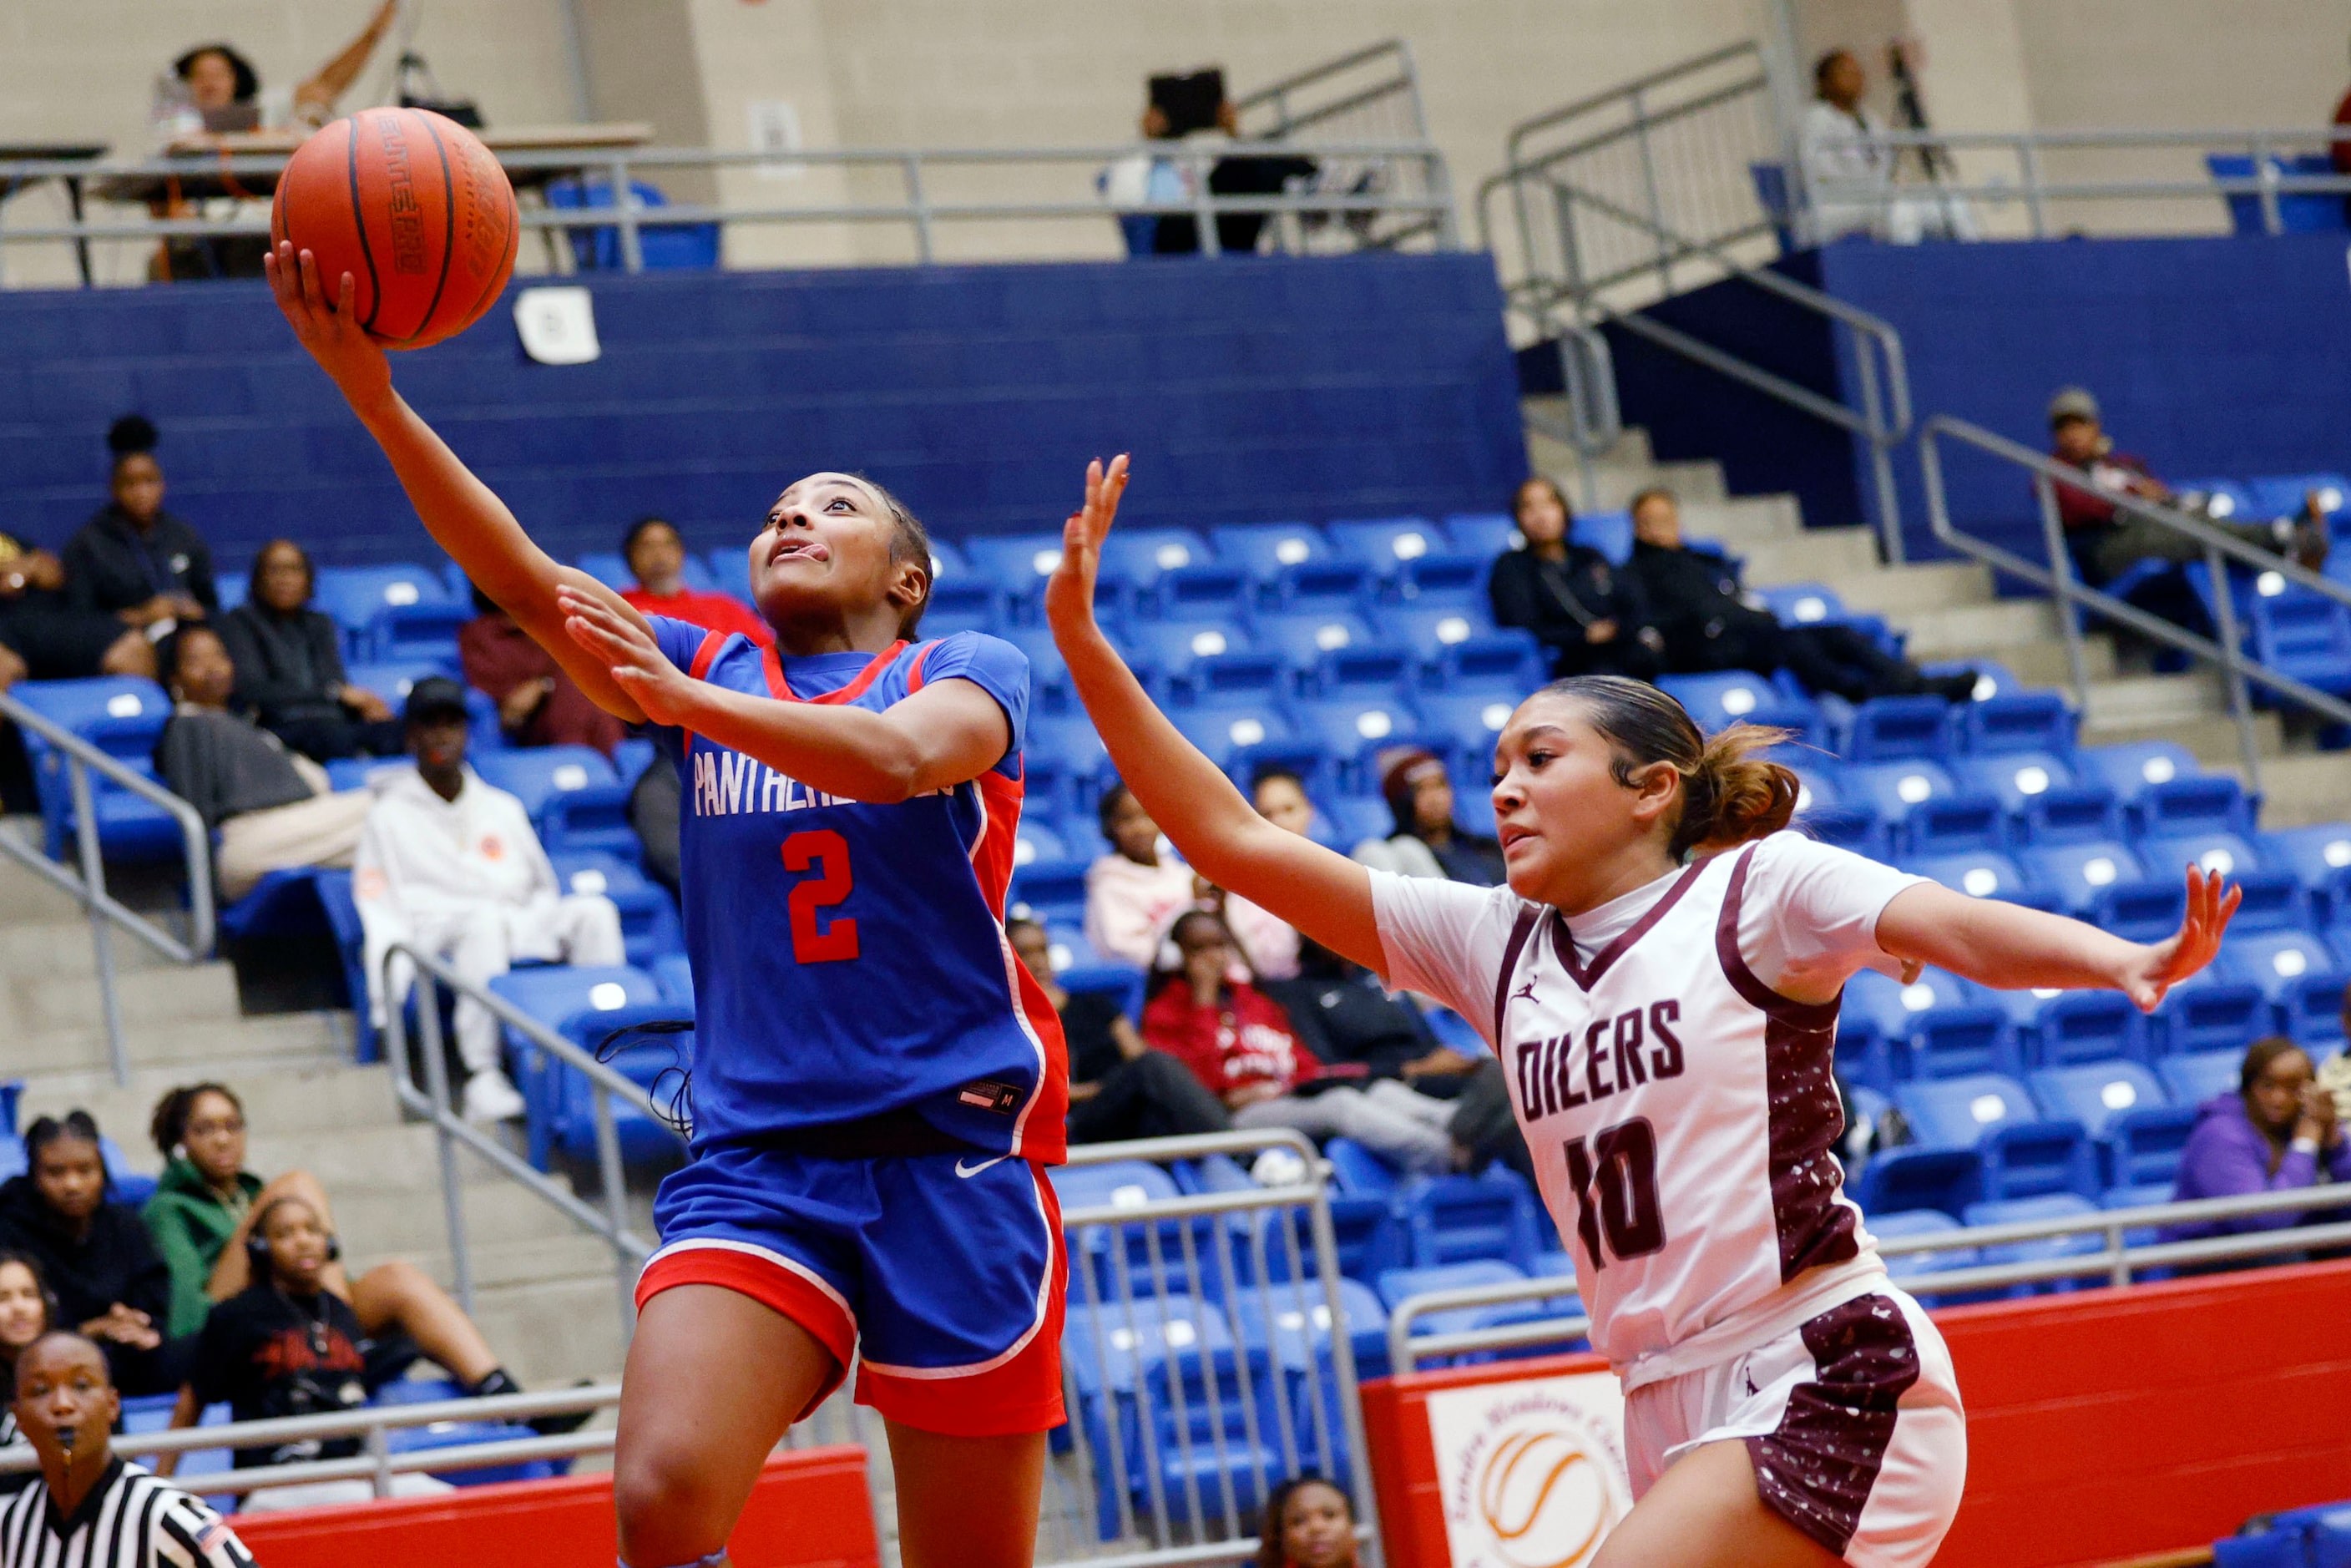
x=2277 y=1133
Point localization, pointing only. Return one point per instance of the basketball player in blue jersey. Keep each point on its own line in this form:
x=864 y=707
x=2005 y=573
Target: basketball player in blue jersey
x=878 y=1082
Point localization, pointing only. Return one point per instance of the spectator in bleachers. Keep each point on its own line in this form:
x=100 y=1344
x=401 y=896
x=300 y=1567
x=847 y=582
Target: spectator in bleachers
x=1132 y=892
x=45 y=637
x=453 y=865
x=656 y=558
x=1591 y=616
x=205 y=1209
x=1268 y=942
x=25 y=1314
x=2334 y=1073
x=288 y=1344
x=2105 y=539
x=1119 y=1087
x=108 y=1280
x=1307 y=1523
x=223 y=91
x=274 y=809
x=289 y=665
x=1851 y=178
x=1426 y=841
x=1341 y=1013
x=1238 y=1042
x=2278 y=1131
x=1182 y=106
x=539 y=704
x=1695 y=599
x=87 y=1507
x=134 y=561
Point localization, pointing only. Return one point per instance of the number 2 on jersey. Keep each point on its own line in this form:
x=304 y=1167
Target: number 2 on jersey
x=826 y=851
x=1616 y=1191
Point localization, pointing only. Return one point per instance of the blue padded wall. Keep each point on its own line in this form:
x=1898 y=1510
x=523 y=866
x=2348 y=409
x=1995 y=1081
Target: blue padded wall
x=2211 y=357
x=1248 y=390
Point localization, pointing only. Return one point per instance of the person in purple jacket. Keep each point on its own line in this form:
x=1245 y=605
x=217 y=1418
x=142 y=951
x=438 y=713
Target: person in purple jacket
x=2276 y=1133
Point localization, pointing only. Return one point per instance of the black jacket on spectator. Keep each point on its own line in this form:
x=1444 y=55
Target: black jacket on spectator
x=116 y=1261
x=268 y=1353
x=41 y=626
x=287 y=666
x=111 y=566
x=1693 y=600
x=1348 y=1016
x=1557 y=600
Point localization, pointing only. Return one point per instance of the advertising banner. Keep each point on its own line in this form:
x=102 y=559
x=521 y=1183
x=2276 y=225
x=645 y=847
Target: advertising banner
x=1533 y=1473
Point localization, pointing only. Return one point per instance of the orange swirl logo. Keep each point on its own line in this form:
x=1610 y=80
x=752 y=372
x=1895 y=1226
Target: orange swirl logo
x=1544 y=1499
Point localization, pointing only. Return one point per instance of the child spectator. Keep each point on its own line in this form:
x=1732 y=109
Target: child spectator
x=2278 y=1131
x=273 y=810
x=1426 y=841
x=289 y=665
x=25 y=1316
x=134 y=561
x=106 y=1276
x=1119 y=1088
x=1237 y=1041
x=287 y=1346
x=656 y=558
x=44 y=637
x=1307 y=1523
x=88 y=1507
x=539 y=704
x=453 y=865
x=1591 y=616
x=1133 y=892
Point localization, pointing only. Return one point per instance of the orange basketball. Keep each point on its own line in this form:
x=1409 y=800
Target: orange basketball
x=412 y=205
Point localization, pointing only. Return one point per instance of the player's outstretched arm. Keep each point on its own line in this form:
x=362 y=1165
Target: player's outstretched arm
x=949 y=731
x=464 y=515
x=1326 y=895
x=2012 y=948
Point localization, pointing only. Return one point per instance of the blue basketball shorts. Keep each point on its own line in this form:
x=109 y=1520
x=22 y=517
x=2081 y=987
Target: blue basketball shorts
x=946 y=1273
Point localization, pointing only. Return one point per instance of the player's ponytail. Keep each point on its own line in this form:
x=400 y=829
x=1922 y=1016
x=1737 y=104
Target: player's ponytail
x=1729 y=793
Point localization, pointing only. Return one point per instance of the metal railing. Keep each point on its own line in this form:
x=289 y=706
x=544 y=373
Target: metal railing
x=1394 y=190
x=1206 y=1360
x=432 y=1103
x=1371 y=94
x=2065 y=205
x=2122 y=1259
x=60 y=748
x=2059 y=578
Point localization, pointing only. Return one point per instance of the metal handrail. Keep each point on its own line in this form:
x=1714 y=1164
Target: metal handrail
x=1278 y=93
x=1432 y=213
x=2058 y=579
x=88 y=888
x=629 y=1249
x=2115 y=1260
x=1627 y=93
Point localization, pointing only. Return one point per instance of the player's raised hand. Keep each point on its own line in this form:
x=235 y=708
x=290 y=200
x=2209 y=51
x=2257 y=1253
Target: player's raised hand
x=328 y=329
x=1069 y=593
x=621 y=642
x=2210 y=901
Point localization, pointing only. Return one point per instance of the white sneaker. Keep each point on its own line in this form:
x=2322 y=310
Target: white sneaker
x=491 y=1097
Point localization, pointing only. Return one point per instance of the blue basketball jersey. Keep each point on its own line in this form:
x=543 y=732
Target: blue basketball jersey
x=849 y=959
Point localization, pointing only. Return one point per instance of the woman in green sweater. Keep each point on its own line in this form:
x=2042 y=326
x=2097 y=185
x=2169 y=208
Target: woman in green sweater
x=203 y=1210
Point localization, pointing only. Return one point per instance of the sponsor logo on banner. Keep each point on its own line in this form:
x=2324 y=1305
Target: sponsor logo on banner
x=1533 y=1473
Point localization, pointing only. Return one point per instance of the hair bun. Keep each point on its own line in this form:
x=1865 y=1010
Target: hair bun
x=133 y=432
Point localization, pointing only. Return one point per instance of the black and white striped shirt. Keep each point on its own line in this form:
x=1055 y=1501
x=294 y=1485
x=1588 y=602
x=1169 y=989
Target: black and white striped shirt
x=128 y=1519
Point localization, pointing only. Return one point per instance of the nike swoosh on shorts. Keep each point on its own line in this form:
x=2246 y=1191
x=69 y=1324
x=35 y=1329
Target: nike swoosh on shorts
x=982 y=1165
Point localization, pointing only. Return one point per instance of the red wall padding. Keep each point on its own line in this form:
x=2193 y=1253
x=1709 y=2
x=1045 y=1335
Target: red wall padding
x=2101 y=1424
x=810 y=1509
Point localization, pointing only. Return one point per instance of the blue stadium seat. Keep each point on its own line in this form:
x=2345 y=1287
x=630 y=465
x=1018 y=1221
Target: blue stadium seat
x=1983 y=874
x=1052 y=890
x=967 y=605
x=2074 y=873
x=123 y=716
x=2207 y=1014
x=2018 y=778
x=391 y=679
x=2309 y=1010
x=2207 y=803
x=1138 y=557
x=731 y=570
x=1900 y=729
x=1429 y=632
x=611 y=568
x=1238 y=732
x=1893 y=789
x=1508 y=657
x=1352 y=731
x=2037 y=721
x=2287 y=495
x=1018 y=563
x=2301 y=634
x=2095 y=1092
x=354 y=595
x=1455 y=581
x=2276 y=960
x=1362 y=671
x=536 y=774
x=2228 y=853
x=1266 y=548
x=422 y=631
x=2198 y=1076
x=557 y=994
x=1719 y=701
x=1071 y=741
x=675 y=974
x=662 y=247
x=1610 y=533
x=1911 y=1222
x=1487 y=534
x=1964 y=822
x=561 y=1114
x=1382 y=543
x=2143 y=1145
x=2050 y=1206
x=1164 y=651
x=2072 y=814
x=2319 y=857
x=1919 y=1176
x=1454 y=1218
x=1992 y=678
x=1360 y=1172
x=1326 y=586
x=1301 y=639
x=650 y=925
x=1212 y=589
x=2130 y=768
x=2144 y=911
x=2075 y=1026
x=1958 y=1112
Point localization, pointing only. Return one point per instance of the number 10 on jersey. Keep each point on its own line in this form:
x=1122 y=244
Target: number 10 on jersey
x=826 y=853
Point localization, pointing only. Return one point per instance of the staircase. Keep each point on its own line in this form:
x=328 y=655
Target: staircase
x=1948 y=610
x=544 y=1292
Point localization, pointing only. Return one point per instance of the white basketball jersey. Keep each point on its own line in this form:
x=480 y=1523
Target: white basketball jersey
x=1681 y=1116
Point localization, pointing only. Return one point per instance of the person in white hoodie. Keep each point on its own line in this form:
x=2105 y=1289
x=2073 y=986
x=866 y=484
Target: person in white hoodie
x=452 y=866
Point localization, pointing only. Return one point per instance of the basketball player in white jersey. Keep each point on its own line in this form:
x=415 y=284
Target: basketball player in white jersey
x=1660 y=978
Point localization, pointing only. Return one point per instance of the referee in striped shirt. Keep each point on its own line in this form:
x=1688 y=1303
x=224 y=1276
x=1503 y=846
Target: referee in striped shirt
x=91 y=1509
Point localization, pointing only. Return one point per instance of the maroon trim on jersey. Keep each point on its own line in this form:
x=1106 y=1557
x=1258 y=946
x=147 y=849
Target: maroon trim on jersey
x=1520 y=932
x=1816 y=1470
x=1562 y=941
x=773 y=664
x=1804 y=1115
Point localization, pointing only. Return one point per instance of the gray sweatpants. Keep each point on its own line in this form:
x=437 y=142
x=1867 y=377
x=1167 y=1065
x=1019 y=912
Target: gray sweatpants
x=1385 y=1117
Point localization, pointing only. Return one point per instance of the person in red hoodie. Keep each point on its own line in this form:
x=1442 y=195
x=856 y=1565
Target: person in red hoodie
x=1237 y=1041
x=656 y=558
